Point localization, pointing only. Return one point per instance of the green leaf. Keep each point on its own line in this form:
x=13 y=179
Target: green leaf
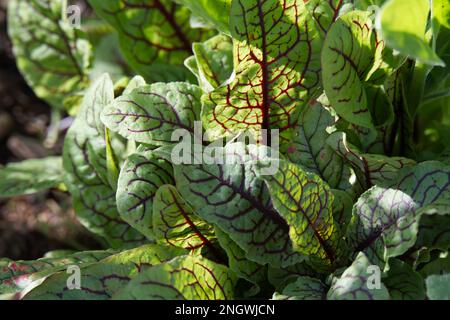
x=438 y=287
x=434 y=228
x=276 y=61
x=237 y=261
x=86 y=170
x=441 y=12
x=403 y=282
x=101 y=280
x=152 y=113
x=384 y=224
x=141 y=176
x=353 y=283
x=216 y=12
x=53 y=56
x=325 y=12
x=231 y=196
x=370 y=169
x=305 y=203
x=15 y=276
x=174 y=222
x=385 y=220
x=342 y=209
x=30 y=176
x=407 y=35
x=304 y=288
x=310 y=150
x=183 y=278
x=213 y=63
x=350 y=55
x=155 y=36
x=281 y=277
x=440 y=265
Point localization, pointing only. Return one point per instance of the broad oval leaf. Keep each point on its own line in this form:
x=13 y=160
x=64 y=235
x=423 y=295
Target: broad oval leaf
x=155 y=36
x=213 y=62
x=384 y=224
x=276 y=58
x=304 y=288
x=141 y=176
x=87 y=176
x=305 y=202
x=174 y=222
x=183 y=278
x=350 y=55
x=310 y=150
x=385 y=220
x=152 y=113
x=101 y=280
x=30 y=176
x=353 y=283
x=53 y=56
x=231 y=196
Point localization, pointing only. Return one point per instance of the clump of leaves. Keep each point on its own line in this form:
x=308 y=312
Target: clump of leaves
x=359 y=206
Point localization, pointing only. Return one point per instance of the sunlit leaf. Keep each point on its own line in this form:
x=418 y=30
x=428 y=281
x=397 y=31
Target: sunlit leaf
x=53 y=56
x=351 y=54
x=183 y=278
x=276 y=60
x=407 y=34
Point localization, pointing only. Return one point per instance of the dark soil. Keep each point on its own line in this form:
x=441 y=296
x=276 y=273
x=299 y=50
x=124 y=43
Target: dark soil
x=31 y=225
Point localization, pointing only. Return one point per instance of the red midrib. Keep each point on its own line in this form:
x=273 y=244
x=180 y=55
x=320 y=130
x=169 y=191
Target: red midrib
x=265 y=107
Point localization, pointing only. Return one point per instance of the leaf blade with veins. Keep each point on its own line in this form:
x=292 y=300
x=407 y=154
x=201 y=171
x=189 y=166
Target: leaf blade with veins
x=403 y=282
x=101 y=280
x=16 y=276
x=87 y=177
x=232 y=197
x=277 y=67
x=304 y=288
x=154 y=35
x=310 y=150
x=352 y=285
x=53 y=56
x=151 y=114
x=237 y=261
x=325 y=12
x=385 y=220
x=175 y=223
x=183 y=278
x=214 y=62
x=347 y=62
x=305 y=202
x=141 y=176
